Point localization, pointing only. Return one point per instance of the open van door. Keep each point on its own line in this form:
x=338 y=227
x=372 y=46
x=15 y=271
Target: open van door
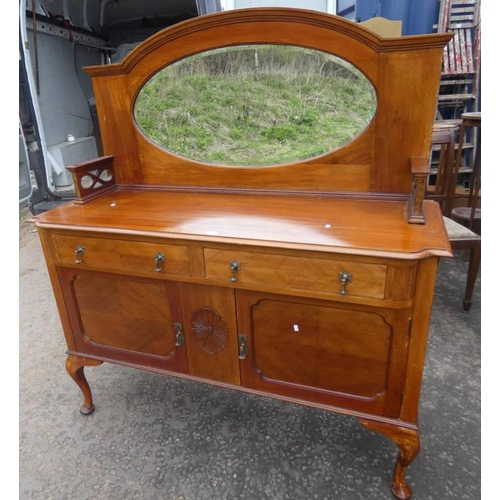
x=25 y=186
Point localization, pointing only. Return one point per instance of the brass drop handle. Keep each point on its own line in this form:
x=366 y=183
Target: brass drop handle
x=243 y=347
x=79 y=251
x=234 y=266
x=344 y=278
x=179 y=334
x=159 y=261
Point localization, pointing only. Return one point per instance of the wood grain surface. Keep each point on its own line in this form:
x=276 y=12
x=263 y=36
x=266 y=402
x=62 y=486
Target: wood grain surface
x=359 y=227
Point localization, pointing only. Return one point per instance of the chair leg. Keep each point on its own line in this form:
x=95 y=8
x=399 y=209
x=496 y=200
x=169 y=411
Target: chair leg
x=474 y=261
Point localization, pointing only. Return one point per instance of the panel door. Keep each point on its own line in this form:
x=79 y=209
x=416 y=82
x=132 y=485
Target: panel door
x=209 y=319
x=125 y=318
x=335 y=354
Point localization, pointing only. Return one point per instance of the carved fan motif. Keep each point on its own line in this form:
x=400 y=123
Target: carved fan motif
x=210 y=330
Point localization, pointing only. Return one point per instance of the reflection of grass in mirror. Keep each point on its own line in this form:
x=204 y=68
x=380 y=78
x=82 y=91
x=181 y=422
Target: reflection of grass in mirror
x=257 y=116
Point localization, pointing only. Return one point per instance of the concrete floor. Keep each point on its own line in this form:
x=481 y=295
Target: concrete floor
x=154 y=437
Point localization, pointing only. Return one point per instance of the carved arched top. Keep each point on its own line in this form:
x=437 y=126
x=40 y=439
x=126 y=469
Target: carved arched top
x=293 y=18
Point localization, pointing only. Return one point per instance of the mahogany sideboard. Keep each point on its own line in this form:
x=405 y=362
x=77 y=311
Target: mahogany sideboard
x=309 y=281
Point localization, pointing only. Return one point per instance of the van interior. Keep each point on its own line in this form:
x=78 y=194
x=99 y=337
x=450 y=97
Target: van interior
x=58 y=124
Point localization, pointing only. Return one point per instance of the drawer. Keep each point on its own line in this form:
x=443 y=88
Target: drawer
x=106 y=253
x=301 y=273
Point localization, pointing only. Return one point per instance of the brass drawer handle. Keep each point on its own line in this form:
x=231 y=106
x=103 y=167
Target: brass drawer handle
x=159 y=261
x=344 y=278
x=243 y=347
x=234 y=266
x=79 y=251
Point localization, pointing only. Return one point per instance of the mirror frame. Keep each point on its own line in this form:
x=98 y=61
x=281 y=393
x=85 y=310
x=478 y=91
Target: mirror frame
x=404 y=71
x=333 y=99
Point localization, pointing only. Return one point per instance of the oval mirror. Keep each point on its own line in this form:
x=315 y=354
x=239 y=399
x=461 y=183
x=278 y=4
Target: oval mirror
x=255 y=105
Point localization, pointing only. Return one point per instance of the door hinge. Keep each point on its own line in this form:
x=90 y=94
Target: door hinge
x=179 y=334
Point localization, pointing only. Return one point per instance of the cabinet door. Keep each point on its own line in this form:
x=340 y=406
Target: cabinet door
x=347 y=356
x=209 y=320
x=125 y=318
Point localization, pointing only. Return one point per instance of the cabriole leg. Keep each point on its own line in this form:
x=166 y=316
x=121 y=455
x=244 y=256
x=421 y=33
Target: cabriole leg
x=75 y=366
x=408 y=443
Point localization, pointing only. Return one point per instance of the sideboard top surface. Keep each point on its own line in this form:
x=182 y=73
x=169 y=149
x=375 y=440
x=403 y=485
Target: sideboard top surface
x=359 y=227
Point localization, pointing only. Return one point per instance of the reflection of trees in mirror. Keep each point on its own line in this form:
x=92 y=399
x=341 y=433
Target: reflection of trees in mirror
x=253 y=106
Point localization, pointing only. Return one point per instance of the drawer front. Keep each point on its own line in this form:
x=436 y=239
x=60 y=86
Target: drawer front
x=338 y=277
x=104 y=253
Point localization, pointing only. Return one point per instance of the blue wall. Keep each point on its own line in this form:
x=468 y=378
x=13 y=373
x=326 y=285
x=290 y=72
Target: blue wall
x=418 y=16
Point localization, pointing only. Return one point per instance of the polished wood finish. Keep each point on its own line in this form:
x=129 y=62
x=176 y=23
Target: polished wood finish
x=420 y=171
x=304 y=348
x=298 y=273
x=125 y=317
x=408 y=442
x=99 y=253
x=318 y=223
x=209 y=320
x=92 y=178
x=403 y=70
x=304 y=282
x=74 y=367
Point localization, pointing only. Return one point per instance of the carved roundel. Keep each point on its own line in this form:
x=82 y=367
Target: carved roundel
x=210 y=330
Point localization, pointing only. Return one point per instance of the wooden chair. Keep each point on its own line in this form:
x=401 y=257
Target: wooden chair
x=470 y=215
x=461 y=237
x=445 y=176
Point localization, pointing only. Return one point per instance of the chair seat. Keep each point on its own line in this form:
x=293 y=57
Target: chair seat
x=457 y=231
x=464 y=213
